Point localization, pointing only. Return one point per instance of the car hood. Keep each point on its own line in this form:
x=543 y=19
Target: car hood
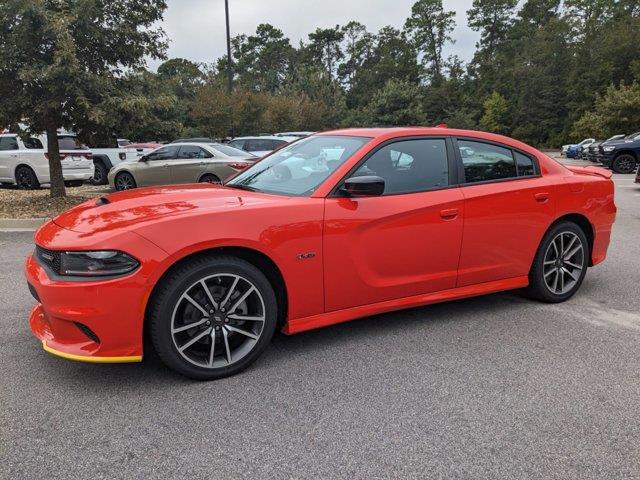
x=131 y=208
x=620 y=141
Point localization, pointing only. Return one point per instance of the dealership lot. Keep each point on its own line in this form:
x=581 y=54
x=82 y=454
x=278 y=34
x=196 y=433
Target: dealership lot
x=496 y=386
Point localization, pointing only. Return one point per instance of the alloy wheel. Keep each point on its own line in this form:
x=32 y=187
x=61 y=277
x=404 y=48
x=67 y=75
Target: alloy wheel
x=24 y=180
x=218 y=320
x=124 y=182
x=564 y=261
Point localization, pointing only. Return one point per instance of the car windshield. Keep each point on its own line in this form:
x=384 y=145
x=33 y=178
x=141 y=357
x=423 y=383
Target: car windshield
x=70 y=143
x=231 y=151
x=299 y=168
x=615 y=137
x=632 y=136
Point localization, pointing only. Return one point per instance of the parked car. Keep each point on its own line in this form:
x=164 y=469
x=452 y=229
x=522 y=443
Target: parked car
x=592 y=152
x=638 y=176
x=25 y=162
x=181 y=163
x=294 y=134
x=294 y=242
x=195 y=140
x=571 y=151
x=261 y=146
x=622 y=155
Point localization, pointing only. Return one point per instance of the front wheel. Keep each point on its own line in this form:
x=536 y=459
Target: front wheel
x=212 y=317
x=124 y=181
x=560 y=264
x=210 y=178
x=625 y=163
x=73 y=183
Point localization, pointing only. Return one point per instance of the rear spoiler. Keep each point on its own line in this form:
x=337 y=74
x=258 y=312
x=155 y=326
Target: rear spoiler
x=591 y=170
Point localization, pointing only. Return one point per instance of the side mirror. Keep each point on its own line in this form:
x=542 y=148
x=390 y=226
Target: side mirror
x=143 y=158
x=365 y=186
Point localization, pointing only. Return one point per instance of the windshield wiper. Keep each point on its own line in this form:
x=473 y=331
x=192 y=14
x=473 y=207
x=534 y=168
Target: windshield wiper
x=240 y=186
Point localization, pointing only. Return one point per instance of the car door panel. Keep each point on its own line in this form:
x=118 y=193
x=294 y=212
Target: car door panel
x=389 y=247
x=9 y=157
x=189 y=165
x=155 y=170
x=505 y=221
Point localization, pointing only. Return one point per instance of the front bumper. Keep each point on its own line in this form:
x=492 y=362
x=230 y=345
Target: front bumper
x=92 y=321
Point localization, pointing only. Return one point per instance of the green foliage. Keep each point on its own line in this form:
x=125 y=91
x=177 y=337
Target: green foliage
x=496 y=114
x=617 y=111
x=397 y=103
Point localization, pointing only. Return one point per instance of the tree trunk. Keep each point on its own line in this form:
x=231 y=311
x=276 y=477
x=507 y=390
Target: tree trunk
x=55 y=167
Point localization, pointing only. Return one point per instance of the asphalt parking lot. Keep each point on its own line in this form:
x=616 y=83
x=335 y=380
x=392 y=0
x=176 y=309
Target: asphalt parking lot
x=491 y=387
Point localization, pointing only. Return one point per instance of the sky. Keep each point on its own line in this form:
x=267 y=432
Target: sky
x=196 y=28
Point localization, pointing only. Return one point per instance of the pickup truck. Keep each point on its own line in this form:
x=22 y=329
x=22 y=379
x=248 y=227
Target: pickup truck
x=622 y=155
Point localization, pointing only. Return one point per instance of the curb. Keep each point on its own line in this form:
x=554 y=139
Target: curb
x=21 y=224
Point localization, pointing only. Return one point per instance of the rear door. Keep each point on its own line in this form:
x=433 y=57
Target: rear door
x=508 y=207
x=9 y=156
x=189 y=165
x=403 y=243
x=155 y=170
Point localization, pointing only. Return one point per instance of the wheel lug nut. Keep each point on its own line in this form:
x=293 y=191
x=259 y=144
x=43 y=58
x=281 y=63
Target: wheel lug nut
x=210 y=311
x=218 y=328
x=226 y=320
x=208 y=322
x=222 y=309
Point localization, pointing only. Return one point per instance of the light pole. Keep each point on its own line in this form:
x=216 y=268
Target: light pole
x=229 y=60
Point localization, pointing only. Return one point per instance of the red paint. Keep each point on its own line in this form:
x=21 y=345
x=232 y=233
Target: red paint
x=372 y=255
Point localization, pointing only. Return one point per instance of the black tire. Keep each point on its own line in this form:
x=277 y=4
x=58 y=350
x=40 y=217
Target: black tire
x=26 y=178
x=100 y=174
x=124 y=181
x=624 y=163
x=73 y=183
x=538 y=288
x=210 y=178
x=167 y=298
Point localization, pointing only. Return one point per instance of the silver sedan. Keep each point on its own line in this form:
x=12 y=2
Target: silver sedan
x=181 y=163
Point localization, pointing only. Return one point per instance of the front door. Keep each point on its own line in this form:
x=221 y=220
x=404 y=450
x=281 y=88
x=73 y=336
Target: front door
x=403 y=243
x=154 y=169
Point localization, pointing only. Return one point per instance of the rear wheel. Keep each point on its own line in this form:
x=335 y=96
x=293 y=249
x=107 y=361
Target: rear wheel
x=26 y=178
x=560 y=264
x=212 y=317
x=124 y=181
x=624 y=163
x=99 y=174
x=210 y=178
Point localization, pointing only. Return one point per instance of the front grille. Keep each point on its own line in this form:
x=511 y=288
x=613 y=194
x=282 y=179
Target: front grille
x=49 y=258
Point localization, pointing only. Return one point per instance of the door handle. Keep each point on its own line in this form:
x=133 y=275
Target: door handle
x=449 y=213
x=541 y=197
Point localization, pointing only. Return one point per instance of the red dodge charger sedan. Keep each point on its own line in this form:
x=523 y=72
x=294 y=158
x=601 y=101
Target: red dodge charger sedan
x=334 y=227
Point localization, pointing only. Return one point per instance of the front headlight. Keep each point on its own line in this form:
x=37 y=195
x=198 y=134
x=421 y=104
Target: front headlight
x=609 y=149
x=96 y=263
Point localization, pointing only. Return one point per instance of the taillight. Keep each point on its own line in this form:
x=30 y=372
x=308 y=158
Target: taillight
x=88 y=156
x=122 y=155
x=239 y=166
x=62 y=156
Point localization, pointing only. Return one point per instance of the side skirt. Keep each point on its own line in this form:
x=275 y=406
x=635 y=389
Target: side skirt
x=340 y=316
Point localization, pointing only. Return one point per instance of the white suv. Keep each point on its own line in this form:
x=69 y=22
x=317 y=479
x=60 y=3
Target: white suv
x=25 y=163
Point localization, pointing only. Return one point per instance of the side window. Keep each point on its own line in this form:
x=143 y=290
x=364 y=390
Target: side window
x=237 y=144
x=8 y=143
x=483 y=161
x=525 y=164
x=191 y=151
x=409 y=166
x=277 y=144
x=258 y=145
x=33 y=143
x=165 y=153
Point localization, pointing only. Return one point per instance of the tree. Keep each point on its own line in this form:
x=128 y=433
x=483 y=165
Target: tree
x=263 y=60
x=430 y=27
x=324 y=47
x=495 y=117
x=617 y=111
x=492 y=18
x=61 y=60
x=397 y=103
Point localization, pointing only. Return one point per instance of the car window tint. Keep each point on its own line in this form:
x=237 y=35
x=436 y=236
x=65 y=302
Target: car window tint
x=409 y=166
x=33 y=143
x=259 y=145
x=237 y=144
x=277 y=144
x=69 y=143
x=8 y=143
x=525 y=165
x=191 y=151
x=164 y=153
x=483 y=161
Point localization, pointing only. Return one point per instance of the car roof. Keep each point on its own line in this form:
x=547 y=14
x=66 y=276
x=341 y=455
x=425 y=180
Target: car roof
x=265 y=137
